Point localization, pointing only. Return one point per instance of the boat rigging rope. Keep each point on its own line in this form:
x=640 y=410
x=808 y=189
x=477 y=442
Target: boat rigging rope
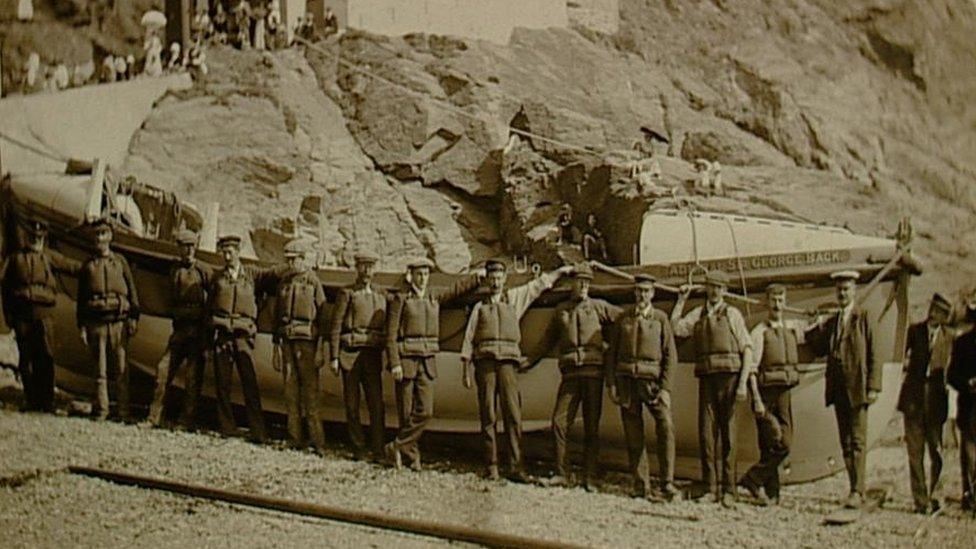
x=32 y=148
x=738 y=262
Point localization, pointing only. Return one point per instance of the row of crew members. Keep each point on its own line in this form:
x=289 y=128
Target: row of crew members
x=217 y=311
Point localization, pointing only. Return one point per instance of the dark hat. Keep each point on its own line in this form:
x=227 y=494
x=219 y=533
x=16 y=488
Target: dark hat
x=229 y=240
x=776 y=289
x=716 y=277
x=493 y=265
x=366 y=257
x=940 y=302
x=420 y=262
x=644 y=280
x=186 y=236
x=36 y=227
x=583 y=271
x=295 y=248
x=840 y=276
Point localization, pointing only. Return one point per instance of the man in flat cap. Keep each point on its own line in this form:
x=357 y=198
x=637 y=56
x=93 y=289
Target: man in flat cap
x=723 y=352
x=29 y=289
x=188 y=281
x=576 y=331
x=357 y=341
x=491 y=354
x=233 y=311
x=924 y=401
x=301 y=334
x=108 y=315
x=412 y=343
x=961 y=376
x=853 y=377
x=642 y=358
x=775 y=354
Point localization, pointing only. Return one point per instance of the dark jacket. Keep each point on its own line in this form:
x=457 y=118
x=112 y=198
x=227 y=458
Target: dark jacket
x=853 y=362
x=358 y=321
x=920 y=375
x=962 y=365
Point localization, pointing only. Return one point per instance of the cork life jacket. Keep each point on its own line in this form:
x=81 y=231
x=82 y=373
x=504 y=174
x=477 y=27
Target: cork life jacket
x=365 y=322
x=233 y=307
x=33 y=281
x=108 y=294
x=639 y=350
x=497 y=333
x=780 y=357
x=297 y=308
x=718 y=349
x=419 y=332
x=189 y=292
x=582 y=339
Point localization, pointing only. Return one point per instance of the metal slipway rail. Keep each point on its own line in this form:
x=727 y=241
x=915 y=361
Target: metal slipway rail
x=453 y=532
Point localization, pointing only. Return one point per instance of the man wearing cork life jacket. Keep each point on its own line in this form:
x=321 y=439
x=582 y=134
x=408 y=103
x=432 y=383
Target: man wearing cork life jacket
x=491 y=355
x=723 y=352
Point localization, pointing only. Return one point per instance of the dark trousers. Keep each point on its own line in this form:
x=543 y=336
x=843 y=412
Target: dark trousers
x=852 y=425
x=107 y=344
x=716 y=430
x=302 y=392
x=966 y=420
x=497 y=380
x=183 y=348
x=237 y=350
x=366 y=375
x=636 y=395
x=775 y=433
x=36 y=364
x=573 y=391
x=415 y=406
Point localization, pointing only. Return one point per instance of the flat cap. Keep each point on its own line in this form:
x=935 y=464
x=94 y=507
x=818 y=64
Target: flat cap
x=493 y=265
x=420 y=262
x=583 y=271
x=845 y=275
x=364 y=256
x=939 y=301
x=36 y=226
x=229 y=240
x=186 y=236
x=295 y=248
x=100 y=225
x=644 y=280
x=776 y=289
x=716 y=277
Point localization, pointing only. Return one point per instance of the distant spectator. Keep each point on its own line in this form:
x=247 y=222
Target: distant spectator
x=260 y=40
x=243 y=18
x=50 y=83
x=716 y=179
x=202 y=26
x=330 y=23
x=108 y=69
x=173 y=64
x=220 y=24
x=308 y=27
x=594 y=245
x=130 y=67
x=703 y=169
x=568 y=233
x=273 y=24
x=25 y=10
x=154 y=51
x=198 y=61
x=32 y=70
x=61 y=77
x=121 y=68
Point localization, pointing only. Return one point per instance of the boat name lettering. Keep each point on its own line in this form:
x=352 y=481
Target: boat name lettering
x=767 y=262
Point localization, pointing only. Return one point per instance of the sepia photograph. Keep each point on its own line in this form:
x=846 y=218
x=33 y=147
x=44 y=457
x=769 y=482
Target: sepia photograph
x=488 y=273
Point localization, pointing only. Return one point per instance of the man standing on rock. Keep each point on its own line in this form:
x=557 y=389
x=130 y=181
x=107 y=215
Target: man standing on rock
x=775 y=352
x=924 y=400
x=490 y=353
x=412 y=343
x=576 y=331
x=961 y=376
x=188 y=342
x=29 y=289
x=723 y=351
x=301 y=328
x=108 y=315
x=642 y=357
x=357 y=339
x=853 y=377
x=233 y=317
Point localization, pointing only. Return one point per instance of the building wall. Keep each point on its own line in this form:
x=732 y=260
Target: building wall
x=481 y=19
x=599 y=15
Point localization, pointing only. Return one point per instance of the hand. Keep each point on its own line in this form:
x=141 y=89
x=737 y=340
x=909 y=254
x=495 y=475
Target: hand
x=614 y=394
x=872 y=396
x=467 y=379
x=526 y=364
x=684 y=291
x=397 y=372
x=334 y=366
x=741 y=393
x=131 y=326
x=84 y=336
x=664 y=397
x=565 y=270
x=758 y=407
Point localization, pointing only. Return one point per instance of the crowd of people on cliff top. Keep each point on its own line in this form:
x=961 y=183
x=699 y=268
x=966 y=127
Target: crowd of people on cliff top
x=259 y=25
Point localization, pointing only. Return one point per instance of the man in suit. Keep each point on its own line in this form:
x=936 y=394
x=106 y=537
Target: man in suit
x=357 y=338
x=961 y=376
x=924 y=401
x=853 y=377
x=412 y=343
